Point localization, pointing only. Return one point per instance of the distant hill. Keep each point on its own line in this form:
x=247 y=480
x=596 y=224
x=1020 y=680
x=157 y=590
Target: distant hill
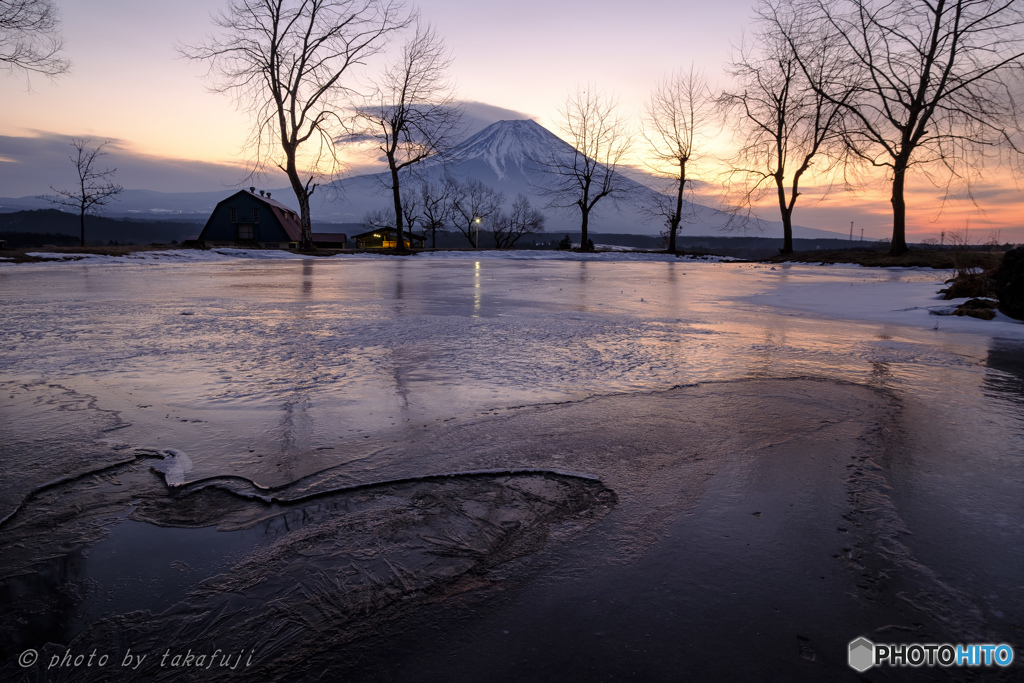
x=98 y=229
x=101 y=230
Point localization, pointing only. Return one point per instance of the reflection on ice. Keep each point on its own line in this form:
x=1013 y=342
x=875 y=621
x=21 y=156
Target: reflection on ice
x=288 y=421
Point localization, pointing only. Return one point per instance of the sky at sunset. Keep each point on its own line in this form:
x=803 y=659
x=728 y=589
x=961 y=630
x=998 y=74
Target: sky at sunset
x=128 y=84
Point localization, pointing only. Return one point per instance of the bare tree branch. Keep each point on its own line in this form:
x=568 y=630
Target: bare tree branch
x=413 y=115
x=29 y=38
x=472 y=204
x=285 y=61
x=932 y=81
x=435 y=201
x=786 y=126
x=507 y=229
x=95 y=187
x=600 y=139
x=677 y=118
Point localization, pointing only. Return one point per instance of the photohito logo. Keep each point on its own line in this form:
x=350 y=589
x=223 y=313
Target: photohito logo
x=864 y=654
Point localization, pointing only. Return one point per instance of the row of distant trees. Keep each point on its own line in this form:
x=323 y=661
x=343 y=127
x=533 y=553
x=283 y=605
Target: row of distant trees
x=830 y=88
x=452 y=206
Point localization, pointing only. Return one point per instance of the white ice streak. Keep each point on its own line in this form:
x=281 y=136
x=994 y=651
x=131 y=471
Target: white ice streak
x=174 y=466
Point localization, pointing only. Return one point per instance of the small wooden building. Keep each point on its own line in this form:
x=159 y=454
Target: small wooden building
x=250 y=220
x=387 y=238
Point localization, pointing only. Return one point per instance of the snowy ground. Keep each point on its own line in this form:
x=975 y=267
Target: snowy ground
x=558 y=461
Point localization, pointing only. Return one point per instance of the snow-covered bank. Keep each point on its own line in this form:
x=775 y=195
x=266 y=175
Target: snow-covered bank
x=901 y=296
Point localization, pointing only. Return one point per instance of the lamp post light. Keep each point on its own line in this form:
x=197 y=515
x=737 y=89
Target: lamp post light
x=476 y=243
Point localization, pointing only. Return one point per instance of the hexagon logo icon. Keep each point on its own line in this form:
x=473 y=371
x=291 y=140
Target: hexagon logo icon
x=862 y=654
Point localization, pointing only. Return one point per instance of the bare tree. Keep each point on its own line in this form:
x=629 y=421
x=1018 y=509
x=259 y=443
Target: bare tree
x=285 y=62
x=29 y=39
x=786 y=126
x=436 y=206
x=600 y=139
x=932 y=81
x=95 y=187
x=378 y=218
x=676 y=123
x=472 y=204
x=507 y=229
x=412 y=115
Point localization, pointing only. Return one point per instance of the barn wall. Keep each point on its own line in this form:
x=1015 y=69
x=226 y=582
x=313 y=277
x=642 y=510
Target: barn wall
x=219 y=227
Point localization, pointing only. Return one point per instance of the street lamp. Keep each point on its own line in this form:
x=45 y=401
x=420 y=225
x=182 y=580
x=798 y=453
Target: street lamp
x=477 y=219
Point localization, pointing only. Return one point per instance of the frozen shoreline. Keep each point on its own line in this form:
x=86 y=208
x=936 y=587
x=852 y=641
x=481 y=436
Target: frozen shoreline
x=808 y=469
x=904 y=296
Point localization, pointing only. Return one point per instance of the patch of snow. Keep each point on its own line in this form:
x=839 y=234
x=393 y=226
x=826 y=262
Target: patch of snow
x=174 y=466
x=903 y=296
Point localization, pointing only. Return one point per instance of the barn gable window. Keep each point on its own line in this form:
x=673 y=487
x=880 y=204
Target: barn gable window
x=234 y=215
x=255 y=215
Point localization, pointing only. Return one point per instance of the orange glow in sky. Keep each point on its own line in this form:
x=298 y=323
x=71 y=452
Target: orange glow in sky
x=129 y=84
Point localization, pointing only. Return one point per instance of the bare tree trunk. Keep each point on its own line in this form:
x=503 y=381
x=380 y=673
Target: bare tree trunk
x=583 y=229
x=301 y=194
x=304 y=220
x=677 y=216
x=787 y=233
x=899 y=209
x=81 y=225
x=396 y=195
x=787 y=219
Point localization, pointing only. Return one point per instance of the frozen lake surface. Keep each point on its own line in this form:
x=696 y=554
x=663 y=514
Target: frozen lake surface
x=476 y=467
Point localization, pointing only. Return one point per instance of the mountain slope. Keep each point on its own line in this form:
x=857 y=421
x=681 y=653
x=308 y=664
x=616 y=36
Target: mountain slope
x=508 y=156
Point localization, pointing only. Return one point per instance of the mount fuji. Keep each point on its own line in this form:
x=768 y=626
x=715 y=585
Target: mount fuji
x=508 y=156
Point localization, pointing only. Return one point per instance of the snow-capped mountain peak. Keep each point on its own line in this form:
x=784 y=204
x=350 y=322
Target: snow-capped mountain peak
x=508 y=144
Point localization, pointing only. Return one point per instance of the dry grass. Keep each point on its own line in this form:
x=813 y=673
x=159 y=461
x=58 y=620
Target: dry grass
x=941 y=259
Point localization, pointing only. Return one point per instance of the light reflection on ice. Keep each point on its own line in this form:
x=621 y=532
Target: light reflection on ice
x=251 y=366
x=335 y=373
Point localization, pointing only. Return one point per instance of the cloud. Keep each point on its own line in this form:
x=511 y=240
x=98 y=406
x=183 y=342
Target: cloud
x=479 y=115
x=31 y=164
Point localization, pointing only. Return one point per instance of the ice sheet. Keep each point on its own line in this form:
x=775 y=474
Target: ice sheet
x=206 y=388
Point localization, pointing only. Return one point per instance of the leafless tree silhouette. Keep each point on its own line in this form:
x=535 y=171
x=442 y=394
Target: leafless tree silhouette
x=472 y=204
x=29 y=38
x=435 y=200
x=412 y=115
x=522 y=220
x=677 y=121
x=785 y=125
x=386 y=218
x=287 y=62
x=600 y=139
x=95 y=187
x=932 y=81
